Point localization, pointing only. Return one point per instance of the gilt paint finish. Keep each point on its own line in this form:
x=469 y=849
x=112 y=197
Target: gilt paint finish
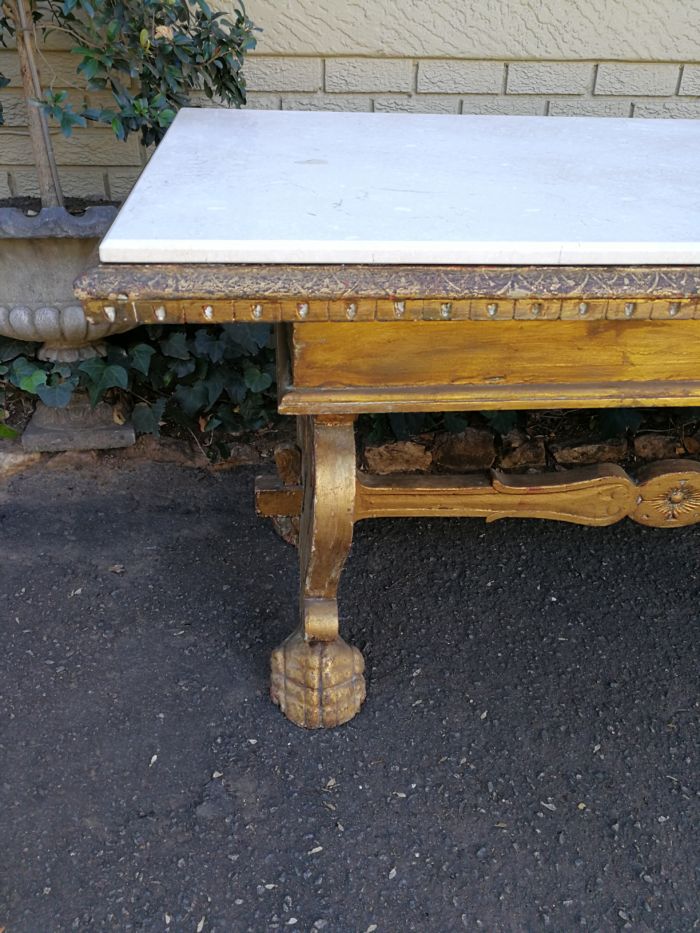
x=455 y=365
x=354 y=339
x=554 y=264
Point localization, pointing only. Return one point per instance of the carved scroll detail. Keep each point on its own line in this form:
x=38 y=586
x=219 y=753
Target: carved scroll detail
x=664 y=495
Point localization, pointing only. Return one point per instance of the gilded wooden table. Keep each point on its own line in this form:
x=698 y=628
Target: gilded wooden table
x=402 y=325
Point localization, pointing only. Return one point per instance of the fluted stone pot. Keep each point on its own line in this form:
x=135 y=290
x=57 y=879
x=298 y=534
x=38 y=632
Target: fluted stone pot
x=40 y=257
x=65 y=333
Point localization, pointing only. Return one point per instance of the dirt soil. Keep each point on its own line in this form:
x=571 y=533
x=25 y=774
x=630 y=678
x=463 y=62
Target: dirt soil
x=526 y=760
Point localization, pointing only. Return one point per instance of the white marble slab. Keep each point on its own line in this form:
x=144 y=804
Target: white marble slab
x=286 y=187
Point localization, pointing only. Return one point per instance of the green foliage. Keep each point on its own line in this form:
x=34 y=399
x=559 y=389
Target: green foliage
x=149 y=56
x=5 y=430
x=205 y=379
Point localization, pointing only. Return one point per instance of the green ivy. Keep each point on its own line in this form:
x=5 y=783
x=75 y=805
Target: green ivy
x=211 y=380
x=150 y=56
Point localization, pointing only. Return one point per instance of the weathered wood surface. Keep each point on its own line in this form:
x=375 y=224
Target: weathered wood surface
x=516 y=353
x=455 y=365
x=664 y=495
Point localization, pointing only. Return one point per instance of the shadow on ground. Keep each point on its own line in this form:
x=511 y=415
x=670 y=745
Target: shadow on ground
x=527 y=758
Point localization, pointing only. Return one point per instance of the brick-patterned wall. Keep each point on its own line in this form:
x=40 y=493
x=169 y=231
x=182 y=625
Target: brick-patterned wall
x=95 y=165
x=443 y=85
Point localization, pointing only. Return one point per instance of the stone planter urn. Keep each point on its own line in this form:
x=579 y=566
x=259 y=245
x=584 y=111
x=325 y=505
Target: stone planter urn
x=40 y=256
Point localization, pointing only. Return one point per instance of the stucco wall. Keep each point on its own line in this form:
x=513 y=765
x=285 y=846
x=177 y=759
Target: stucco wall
x=634 y=58
x=619 y=30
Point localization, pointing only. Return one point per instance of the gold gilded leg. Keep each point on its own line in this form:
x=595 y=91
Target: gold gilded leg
x=317 y=679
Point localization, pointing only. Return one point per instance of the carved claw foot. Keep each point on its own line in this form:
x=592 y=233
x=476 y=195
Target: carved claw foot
x=317 y=684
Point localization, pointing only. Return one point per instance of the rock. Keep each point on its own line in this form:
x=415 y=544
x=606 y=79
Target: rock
x=692 y=443
x=516 y=437
x=217 y=803
x=73 y=460
x=288 y=463
x=521 y=451
x=657 y=447
x=240 y=454
x=13 y=460
x=471 y=449
x=400 y=457
x=609 y=451
x=165 y=450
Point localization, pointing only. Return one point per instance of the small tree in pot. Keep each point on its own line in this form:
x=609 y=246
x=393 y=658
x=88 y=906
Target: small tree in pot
x=143 y=60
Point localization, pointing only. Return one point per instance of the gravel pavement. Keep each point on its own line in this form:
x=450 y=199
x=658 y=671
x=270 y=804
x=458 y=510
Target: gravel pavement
x=527 y=758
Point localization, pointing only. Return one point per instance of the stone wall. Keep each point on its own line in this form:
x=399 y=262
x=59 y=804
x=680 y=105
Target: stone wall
x=631 y=58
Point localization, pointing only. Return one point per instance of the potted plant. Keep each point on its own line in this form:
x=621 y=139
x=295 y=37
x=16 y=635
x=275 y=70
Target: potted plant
x=147 y=59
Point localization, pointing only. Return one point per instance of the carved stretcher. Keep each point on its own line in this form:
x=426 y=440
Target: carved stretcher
x=366 y=337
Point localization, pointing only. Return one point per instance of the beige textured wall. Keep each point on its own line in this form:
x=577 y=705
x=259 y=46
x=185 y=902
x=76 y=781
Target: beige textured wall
x=635 y=58
x=636 y=30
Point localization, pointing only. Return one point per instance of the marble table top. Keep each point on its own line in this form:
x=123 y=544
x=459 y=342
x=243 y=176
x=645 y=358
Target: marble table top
x=293 y=187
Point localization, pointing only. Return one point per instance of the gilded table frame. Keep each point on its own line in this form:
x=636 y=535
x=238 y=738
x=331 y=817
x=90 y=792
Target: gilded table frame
x=356 y=339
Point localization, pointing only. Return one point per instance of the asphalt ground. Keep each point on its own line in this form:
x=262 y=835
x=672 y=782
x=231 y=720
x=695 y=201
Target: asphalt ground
x=527 y=758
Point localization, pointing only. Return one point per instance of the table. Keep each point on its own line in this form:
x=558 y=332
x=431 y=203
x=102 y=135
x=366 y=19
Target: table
x=424 y=263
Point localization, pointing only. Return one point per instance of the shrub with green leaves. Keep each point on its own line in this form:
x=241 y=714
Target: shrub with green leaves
x=214 y=381
x=150 y=56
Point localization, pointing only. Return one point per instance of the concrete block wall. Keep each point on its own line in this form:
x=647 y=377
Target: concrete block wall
x=93 y=163
x=634 y=58
x=443 y=85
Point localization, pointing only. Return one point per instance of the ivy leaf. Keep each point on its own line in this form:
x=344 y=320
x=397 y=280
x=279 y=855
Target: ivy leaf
x=9 y=349
x=102 y=376
x=26 y=375
x=182 y=368
x=210 y=345
x=236 y=390
x=175 y=345
x=58 y=395
x=146 y=418
x=256 y=379
x=215 y=385
x=8 y=432
x=192 y=399
x=249 y=337
x=140 y=358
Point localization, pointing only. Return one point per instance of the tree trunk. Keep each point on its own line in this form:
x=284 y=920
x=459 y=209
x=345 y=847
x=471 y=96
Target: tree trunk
x=42 y=147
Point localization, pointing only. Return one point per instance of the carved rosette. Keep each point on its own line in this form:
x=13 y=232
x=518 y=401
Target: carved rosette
x=669 y=495
x=65 y=333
